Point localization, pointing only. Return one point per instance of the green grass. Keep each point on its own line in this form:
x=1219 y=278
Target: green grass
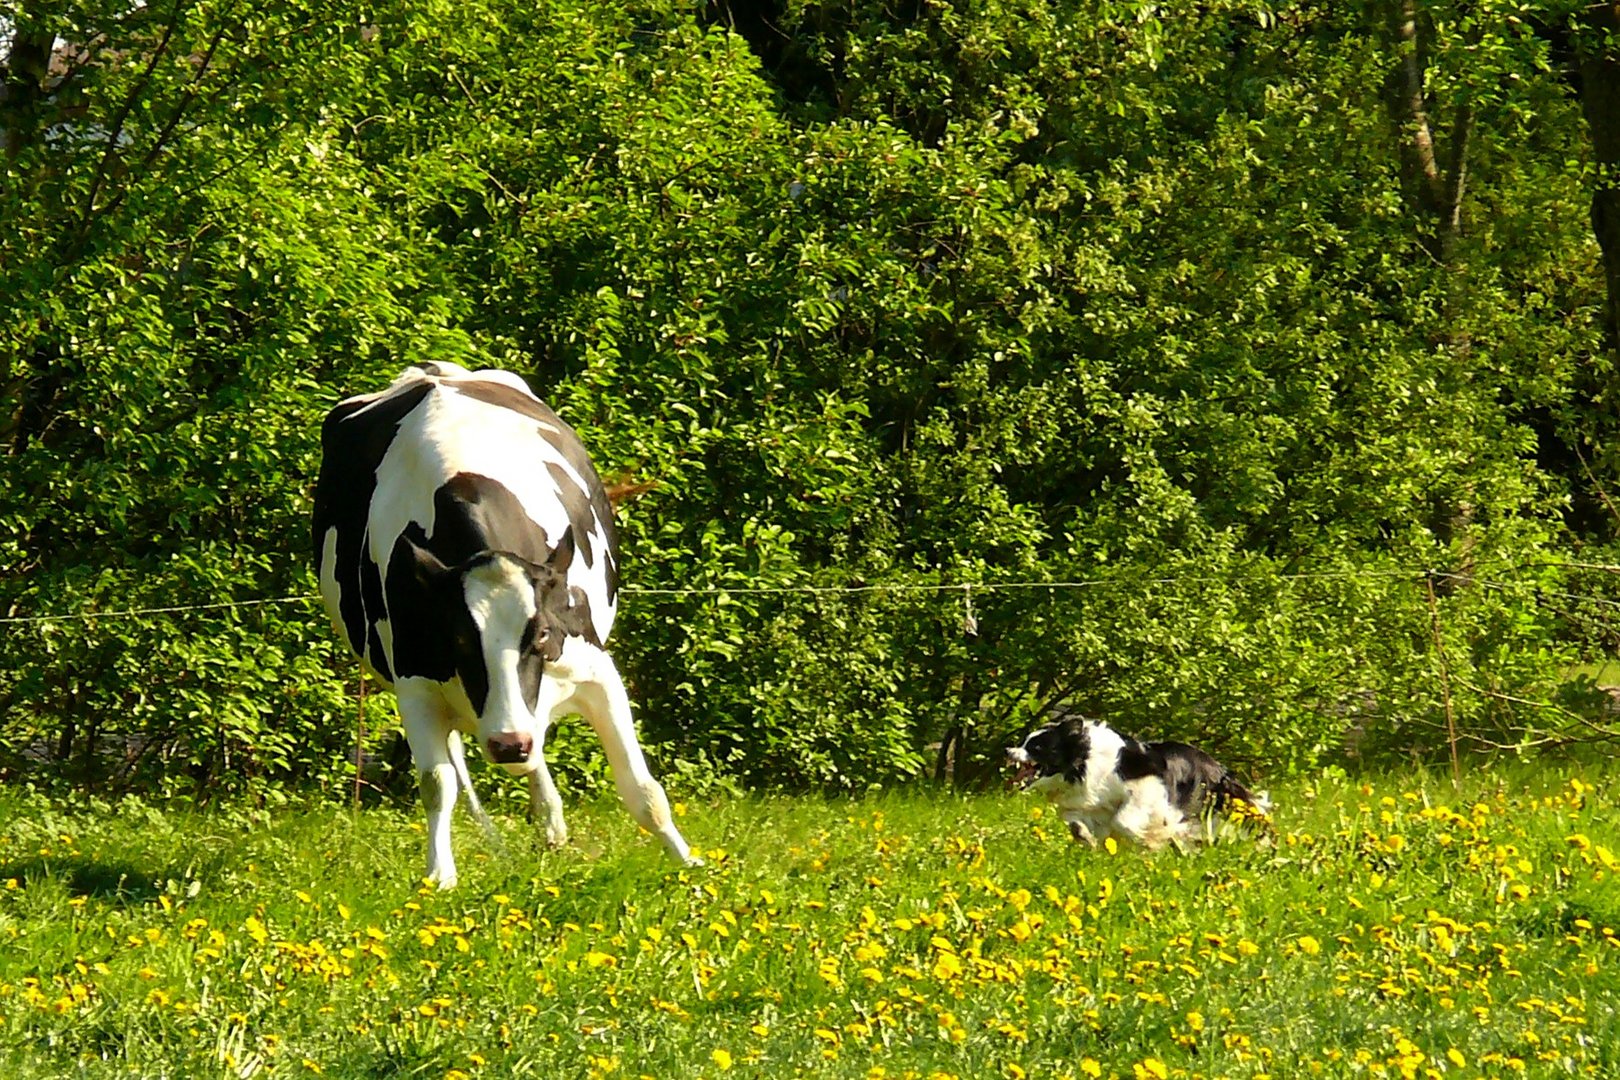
x=1395 y=928
x=1606 y=673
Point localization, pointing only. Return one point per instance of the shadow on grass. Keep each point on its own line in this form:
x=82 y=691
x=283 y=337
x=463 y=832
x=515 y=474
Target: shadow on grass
x=118 y=881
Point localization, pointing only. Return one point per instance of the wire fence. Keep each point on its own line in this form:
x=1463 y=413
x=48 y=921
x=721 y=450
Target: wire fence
x=967 y=588
x=1464 y=679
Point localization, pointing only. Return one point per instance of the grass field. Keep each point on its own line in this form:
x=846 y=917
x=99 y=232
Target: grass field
x=1396 y=928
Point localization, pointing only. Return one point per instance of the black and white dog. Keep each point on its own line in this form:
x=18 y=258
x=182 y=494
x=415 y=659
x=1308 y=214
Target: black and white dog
x=1107 y=784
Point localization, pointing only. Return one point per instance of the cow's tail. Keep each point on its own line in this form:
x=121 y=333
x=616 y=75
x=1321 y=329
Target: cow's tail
x=458 y=759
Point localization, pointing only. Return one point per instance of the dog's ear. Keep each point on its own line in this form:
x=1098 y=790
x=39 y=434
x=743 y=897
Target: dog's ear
x=1076 y=748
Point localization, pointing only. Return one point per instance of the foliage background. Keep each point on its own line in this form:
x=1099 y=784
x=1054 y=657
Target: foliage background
x=911 y=297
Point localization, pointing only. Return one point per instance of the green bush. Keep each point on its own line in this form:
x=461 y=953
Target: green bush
x=965 y=294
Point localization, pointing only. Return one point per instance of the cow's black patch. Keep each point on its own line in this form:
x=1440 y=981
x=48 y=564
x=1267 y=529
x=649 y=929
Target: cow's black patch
x=434 y=634
x=563 y=609
x=371 y=594
x=578 y=506
x=473 y=513
x=352 y=447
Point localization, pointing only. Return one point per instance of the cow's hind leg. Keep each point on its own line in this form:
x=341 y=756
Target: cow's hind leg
x=606 y=707
x=427 y=729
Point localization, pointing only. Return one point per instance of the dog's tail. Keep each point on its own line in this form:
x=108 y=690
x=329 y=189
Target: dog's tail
x=1228 y=789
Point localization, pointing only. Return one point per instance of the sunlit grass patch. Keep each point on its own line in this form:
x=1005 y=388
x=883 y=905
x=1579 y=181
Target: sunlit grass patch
x=1392 y=927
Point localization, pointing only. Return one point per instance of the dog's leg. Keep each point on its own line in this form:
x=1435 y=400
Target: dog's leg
x=1190 y=833
x=1143 y=822
x=1078 y=830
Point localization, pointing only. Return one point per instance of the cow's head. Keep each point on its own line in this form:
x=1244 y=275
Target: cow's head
x=504 y=619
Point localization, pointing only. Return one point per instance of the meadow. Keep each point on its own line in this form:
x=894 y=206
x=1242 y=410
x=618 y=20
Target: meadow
x=1392 y=926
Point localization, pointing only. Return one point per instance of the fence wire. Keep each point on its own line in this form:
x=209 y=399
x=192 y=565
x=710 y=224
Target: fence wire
x=967 y=587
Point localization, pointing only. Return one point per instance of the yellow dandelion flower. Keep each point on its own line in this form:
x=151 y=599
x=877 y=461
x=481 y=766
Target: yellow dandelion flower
x=1151 y=1068
x=1091 y=1067
x=1309 y=945
x=1110 y=846
x=1457 y=1058
x=721 y=1059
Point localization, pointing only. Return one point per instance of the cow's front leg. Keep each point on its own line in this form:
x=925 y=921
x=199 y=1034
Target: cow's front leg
x=545 y=805
x=438 y=788
x=428 y=732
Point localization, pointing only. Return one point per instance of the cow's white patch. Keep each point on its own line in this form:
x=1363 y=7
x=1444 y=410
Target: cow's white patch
x=331 y=592
x=500 y=598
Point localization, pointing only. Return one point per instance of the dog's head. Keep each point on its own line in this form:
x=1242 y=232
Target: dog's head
x=1059 y=749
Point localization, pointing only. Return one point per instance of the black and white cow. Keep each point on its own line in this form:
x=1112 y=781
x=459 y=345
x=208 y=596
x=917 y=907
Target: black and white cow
x=466 y=552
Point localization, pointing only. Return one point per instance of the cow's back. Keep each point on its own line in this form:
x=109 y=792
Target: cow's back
x=460 y=462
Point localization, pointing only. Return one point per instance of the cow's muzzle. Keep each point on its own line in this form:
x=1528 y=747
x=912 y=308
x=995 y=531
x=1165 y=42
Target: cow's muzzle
x=509 y=747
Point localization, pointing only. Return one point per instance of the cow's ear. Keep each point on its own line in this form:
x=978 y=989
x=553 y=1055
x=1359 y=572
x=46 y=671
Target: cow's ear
x=427 y=566
x=562 y=556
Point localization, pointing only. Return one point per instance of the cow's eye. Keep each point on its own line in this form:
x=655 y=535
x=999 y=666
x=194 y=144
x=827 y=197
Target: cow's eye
x=542 y=635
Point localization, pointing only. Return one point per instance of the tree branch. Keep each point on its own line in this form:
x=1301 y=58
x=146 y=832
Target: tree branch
x=1415 y=106
x=1456 y=178
x=88 y=215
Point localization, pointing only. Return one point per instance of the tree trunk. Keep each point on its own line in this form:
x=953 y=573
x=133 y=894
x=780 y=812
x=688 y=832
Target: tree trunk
x=1600 y=101
x=1435 y=174
x=23 y=90
x=1437 y=189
